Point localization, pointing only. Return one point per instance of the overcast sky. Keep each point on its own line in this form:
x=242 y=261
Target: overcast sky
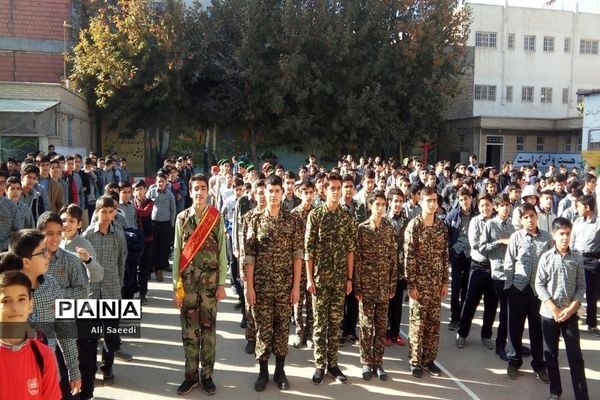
x=591 y=6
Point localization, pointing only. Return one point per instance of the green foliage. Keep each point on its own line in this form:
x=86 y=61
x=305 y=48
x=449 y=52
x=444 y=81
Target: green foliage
x=349 y=74
x=129 y=62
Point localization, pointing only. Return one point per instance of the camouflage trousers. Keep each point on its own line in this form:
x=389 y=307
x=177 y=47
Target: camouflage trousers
x=250 y=332
x=304 y=325
x=198 y=317
x=424 y=327
x=373 y=316
x=272 y=312
x=328 y=311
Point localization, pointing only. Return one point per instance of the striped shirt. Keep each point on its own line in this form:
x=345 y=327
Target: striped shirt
x=42 y=317
x=522 y=257
x=164 y=205
x=95 y=271
x=8 y=223
x=585 y=237
x=111 y=250
x=476 y=227
x=496 y=229
x=68 y=270
x=24 y=216
x=129 y=211
x=560 y=278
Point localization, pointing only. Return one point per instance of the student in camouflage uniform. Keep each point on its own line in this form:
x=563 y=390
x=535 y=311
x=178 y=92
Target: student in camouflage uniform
x=242 y=206
x=273 y=259
x=329 y=254
x=399 y=222
x=304 y=325
x=360 y=212
x=258 y=205
x=374 y=284
x=426 y=262
x=204 y=285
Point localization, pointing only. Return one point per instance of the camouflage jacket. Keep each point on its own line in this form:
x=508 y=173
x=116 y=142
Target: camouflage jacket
x=330 y=236
x=426 y=254
x=271 y=245
x=242 y=235
x=374 y=275
x=288 y=204
x=302 y=216
x=242 y=206
x=213 y=253
x=357 y=210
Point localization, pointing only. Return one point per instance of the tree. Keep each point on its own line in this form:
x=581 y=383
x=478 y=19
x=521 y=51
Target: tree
x=370 y=74
x=129 y=61
x=366 y=75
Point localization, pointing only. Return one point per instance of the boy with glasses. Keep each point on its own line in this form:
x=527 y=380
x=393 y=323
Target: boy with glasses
x=29 y=246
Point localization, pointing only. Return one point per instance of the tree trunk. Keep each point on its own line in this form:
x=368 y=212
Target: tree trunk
x=253 y=147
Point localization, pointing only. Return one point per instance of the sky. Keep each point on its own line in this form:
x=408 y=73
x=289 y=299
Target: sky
x=590 y=6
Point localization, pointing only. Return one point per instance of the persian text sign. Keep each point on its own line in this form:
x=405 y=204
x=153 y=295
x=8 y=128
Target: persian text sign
x=543 y=160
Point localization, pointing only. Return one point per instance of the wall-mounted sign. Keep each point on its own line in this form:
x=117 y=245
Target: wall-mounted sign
x=543 y=160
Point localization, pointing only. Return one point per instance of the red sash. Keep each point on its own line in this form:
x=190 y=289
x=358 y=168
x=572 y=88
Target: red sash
x=199 y=236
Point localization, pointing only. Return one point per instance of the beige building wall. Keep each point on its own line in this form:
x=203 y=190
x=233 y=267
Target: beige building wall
x=73 y=107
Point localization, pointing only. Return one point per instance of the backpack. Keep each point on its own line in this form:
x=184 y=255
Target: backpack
x=39 y=359
x=135 y=245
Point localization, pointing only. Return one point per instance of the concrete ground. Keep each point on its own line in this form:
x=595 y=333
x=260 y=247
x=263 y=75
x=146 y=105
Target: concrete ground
x=470 y=373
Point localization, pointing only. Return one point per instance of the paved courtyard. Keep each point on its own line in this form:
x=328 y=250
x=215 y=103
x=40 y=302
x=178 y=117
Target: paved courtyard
x=470 y=373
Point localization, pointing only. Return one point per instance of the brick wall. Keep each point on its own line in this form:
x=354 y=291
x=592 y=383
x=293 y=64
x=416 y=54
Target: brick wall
x=38 y=67
x=6 y=65
x=30 y=67
x=34 y=19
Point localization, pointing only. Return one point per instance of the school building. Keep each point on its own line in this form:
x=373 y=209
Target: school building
x=519 y=98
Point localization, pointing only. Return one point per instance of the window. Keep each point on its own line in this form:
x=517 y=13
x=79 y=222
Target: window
x=485 y=92
x=509 y=92
x=527 y=93
x=567 y=45
x=511 y=41
x=520 y=143
x=565 y=96
x=549 y=44
x=546 y=95
x=588 y=46
x=495 y=139
x=568 y=144
x=485 y=39
x=540 y=143
x=529 y=43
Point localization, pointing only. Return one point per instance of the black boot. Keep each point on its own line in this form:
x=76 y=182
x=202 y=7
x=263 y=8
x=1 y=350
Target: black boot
x=263 y=376
x=279 y=376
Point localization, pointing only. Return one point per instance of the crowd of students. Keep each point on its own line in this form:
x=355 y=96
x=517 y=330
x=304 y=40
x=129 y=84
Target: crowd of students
x=329 y=249
x=78 y=228
x=497 y=225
